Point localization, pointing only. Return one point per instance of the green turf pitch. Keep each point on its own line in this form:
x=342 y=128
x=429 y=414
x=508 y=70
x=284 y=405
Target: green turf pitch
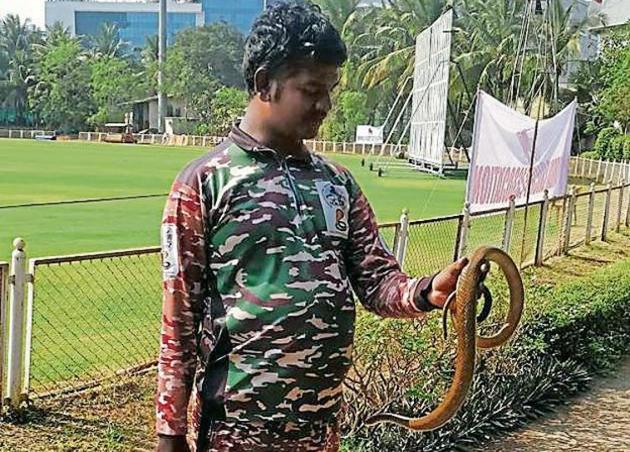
x=34 y=171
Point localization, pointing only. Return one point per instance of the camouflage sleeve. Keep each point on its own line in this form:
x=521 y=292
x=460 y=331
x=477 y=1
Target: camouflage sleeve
x=376 y=276
x=184 y=261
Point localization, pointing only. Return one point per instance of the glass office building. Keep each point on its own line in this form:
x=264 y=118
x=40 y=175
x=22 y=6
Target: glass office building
x=138 y=20
x=240 y=13
x=134 y=27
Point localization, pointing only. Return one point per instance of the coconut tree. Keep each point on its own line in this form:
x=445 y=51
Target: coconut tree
x=107 y=43
x=17 y=40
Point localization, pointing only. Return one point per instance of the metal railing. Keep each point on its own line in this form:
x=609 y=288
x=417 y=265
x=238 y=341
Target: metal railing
x=83 y=319
x=111 y=307
x=24 y=133
x=75 y=321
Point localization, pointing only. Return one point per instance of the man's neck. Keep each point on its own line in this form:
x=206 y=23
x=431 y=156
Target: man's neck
x=256 y=128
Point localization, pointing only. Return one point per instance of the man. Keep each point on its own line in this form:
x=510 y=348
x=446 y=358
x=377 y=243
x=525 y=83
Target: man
x=263 y=246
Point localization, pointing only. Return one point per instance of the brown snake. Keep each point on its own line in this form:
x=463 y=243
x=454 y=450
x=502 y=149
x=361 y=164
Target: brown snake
x=463 y=310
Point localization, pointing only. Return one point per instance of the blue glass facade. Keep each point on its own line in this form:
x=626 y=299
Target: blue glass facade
x=134 y=28
x=240 y=13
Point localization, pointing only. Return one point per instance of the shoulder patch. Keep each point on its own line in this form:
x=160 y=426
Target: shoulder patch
x=335 y=203
x=170 y=251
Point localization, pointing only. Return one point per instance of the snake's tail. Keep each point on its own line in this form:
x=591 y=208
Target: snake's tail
x=386 y=417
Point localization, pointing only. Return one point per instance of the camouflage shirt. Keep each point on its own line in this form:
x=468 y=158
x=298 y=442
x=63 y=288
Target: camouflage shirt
x=265 y=252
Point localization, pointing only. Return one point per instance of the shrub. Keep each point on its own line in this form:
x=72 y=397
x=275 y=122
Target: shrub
x=589 y=155
x=626 y=148
x=615 y=148
x=569 y=333
x=602 y=144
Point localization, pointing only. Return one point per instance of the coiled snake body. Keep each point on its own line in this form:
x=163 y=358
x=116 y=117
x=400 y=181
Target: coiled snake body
x=463 y=309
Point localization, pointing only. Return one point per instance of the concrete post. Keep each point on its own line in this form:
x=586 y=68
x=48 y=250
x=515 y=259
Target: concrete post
x=589 y=216
x=463 y=240
x=606 y=212
x=568 y=221
x=403 y=236
x=508 y=226
x=17 y=281
x=542 y=226
x=620 y=207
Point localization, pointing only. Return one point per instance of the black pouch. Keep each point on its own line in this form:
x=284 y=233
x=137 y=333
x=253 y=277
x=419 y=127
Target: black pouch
x=216 y=372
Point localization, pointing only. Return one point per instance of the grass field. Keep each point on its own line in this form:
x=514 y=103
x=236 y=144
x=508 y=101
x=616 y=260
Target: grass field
x=94 y=317
x=38 y=172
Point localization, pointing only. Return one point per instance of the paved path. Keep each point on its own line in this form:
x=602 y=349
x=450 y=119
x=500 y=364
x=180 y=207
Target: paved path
x=598 y=420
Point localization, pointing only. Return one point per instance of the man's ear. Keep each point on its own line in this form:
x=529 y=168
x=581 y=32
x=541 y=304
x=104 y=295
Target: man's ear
x=262 y=84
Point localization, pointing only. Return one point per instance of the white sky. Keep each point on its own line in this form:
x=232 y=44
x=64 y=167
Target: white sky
x=33 y=9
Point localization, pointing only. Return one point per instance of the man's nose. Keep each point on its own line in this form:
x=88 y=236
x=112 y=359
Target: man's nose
x=324 y=104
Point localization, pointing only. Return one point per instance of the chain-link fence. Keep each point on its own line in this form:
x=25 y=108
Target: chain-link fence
x=524 y=236
x=432 y=244
x=389 y=234
x=93 y=317
x=486 y=229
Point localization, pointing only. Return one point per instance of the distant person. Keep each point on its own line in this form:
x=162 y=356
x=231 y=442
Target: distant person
x=264 y=244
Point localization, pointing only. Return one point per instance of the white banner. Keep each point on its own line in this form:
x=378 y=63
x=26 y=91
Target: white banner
x=502 y=150
x=369 y=135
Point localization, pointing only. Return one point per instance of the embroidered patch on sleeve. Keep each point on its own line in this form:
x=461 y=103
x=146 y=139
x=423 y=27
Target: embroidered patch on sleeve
x=336 y=205
x=170 y=251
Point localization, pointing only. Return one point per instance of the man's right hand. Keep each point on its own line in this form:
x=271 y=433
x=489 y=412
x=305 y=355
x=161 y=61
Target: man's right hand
x=173 y=444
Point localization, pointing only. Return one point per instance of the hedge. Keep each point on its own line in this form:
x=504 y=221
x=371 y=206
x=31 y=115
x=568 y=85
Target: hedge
x=569 y=333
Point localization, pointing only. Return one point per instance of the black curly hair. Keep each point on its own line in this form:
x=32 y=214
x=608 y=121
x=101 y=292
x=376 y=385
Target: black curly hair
x=287 y=33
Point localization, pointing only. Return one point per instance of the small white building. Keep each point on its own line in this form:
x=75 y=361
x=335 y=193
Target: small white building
x=145 y=112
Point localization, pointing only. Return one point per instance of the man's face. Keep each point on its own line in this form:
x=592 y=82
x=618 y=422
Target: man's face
x=301 y=100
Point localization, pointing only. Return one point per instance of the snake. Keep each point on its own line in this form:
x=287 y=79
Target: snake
x=462 y=304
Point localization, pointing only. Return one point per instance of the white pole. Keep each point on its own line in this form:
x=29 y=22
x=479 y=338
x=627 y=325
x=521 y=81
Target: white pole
x=507 y=229
x=589 y=217
x=28 y=335
x=538 y=260
x=620 y=207
x=463 y=238
x=401 y=250
x=606 y=212
x=568 y=217
x=17 y=280
x=161 y=60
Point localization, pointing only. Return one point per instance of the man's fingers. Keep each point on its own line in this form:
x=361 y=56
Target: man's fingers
x=459 y=265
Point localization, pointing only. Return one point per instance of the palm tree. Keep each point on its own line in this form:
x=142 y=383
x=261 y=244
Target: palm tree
x=150 y=51
x=107 y=42
x=17 y=41
x=57 y=32
x=340 y=13
x=18 y=77
x=16 y=34
x=388 y=45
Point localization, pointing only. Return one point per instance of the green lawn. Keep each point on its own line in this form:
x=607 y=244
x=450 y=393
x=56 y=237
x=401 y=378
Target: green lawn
x=33 y=171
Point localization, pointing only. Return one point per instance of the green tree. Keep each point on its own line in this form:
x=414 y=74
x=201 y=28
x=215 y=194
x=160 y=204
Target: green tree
x=614 y=95
x=200 y=62
x=114 y=81
x=226 y=106
x=62 y=95
x=107 y=42
x=350 y=110
x=17 y=40
x=340 y=13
